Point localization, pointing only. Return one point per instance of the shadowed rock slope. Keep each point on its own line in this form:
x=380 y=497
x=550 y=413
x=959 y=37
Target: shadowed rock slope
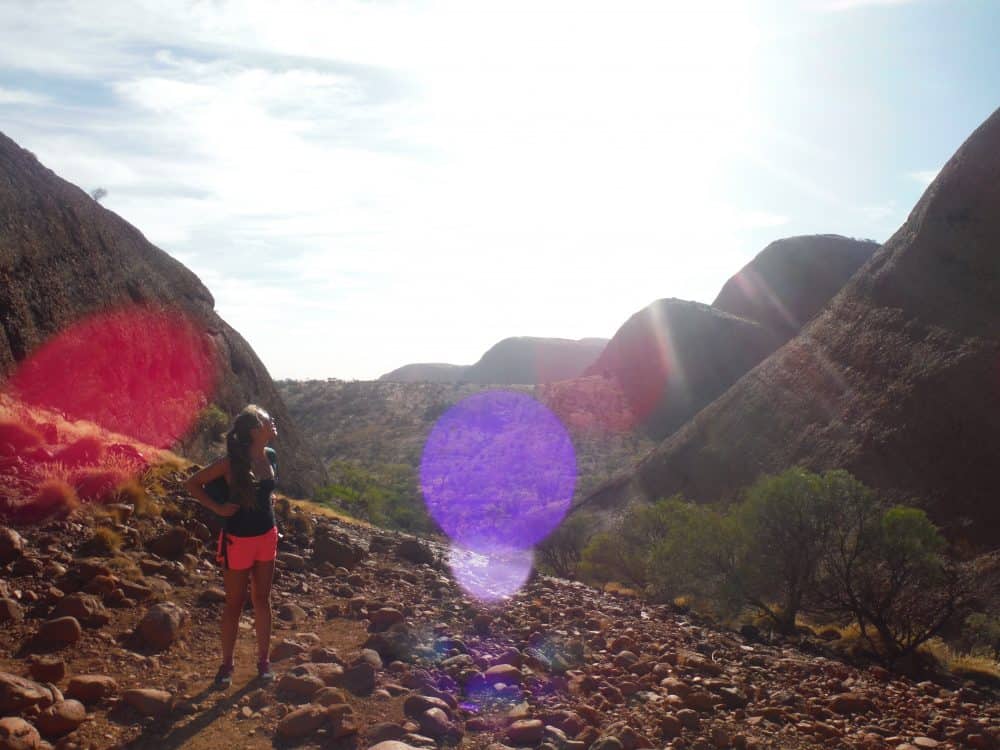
x=673 y=357
x=63 y=256
x=792 y=279
x=897 y=380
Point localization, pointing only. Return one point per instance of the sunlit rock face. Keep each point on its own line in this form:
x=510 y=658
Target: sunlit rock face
x=792 y=279
x=64 y=259
x=897 y=380
x=674 y=357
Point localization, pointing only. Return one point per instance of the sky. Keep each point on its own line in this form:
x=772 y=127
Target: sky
x=366 y=184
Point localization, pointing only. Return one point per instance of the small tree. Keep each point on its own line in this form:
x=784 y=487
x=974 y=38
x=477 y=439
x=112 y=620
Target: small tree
x=98 y=193
x=562 y=550
x=887 y=569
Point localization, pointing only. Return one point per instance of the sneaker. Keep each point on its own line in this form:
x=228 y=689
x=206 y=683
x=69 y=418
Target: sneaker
x=224 y=677
x=264 y=673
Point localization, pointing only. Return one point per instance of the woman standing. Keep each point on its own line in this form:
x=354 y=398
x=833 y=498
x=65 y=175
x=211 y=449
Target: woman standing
x=248 y=542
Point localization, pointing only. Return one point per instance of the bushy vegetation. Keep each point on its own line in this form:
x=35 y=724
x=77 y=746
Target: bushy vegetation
x=797 y=542
x=387 y=495
x=981 y=634
x=212 y=421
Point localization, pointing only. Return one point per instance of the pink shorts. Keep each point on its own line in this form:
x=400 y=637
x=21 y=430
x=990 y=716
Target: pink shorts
x=241 y=552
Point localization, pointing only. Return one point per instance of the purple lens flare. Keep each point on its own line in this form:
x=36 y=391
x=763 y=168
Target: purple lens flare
x=498 y=472
x=490 y=577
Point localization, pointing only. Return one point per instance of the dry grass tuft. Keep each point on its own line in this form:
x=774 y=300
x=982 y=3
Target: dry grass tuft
x=52 y=497
x=104 y=542
x=97 y=484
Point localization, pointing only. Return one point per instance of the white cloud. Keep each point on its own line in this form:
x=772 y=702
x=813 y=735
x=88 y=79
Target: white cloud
x=19 y=96
x=840 y=5
x=363 y=185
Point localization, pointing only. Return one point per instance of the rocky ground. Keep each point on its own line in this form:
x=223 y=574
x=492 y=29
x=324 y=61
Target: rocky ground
x=375 y=643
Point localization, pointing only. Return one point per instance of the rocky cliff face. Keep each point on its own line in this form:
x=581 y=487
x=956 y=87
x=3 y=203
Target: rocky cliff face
x=64 y=257
x=792 y=279
x=897 y=380
x=674 y=357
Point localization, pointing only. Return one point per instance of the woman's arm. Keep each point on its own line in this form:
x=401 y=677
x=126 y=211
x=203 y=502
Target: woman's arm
x=195 y=485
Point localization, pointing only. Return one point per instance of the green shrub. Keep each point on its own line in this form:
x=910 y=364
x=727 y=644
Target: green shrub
x=623 y=554
x=981 y=634
x=386 y=495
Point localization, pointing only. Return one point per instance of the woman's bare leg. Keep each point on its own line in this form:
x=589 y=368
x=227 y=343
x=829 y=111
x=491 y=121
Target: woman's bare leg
x=263 y=574
x=235 y=582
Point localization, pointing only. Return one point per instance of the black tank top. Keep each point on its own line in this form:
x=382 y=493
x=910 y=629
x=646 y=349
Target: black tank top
x=258 y=519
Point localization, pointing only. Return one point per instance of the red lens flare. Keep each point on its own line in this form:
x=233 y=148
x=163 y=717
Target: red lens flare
x=141 y=372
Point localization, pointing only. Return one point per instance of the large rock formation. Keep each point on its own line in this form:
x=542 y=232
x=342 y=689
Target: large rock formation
x=64 y=257
x=792 y=279
x=897 y=380
x=673 y=357
x=521 y=360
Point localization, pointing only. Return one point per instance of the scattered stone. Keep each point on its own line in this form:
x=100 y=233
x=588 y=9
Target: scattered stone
x=62 y=717
x=286 y=649
x=171 y=543
x=86 y=608
x=850 y=703
x=528 y=732
x=11 y=545
x=162 y=624
x=607 y=743
x=414 y=551
x=91 y=688
x=10 y=610
x=302 y=687
x=17 y=734
x=149 y=702
x=359 y=679
x=47 y=668
x=328 y=549
x=385 y=618
x=62 y=631
x=292 y=613
x=19 y=693
x=303 y=721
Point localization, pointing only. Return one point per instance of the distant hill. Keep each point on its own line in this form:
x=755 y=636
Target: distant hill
x=426 y=372
x=792 y=279
x=63 y=257
x=897 y=380
x=522 y=360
